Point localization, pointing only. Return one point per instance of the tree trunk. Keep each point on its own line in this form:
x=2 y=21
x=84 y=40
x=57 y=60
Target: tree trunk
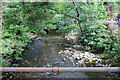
x=119 y=24
x=78 y=14
x=1 y=30
x=1 y=24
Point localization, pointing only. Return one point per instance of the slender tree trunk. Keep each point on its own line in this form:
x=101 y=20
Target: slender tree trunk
x=109 y=10
x=1 y=30
x=1 y=24
x=119 y=24
x=78 y=14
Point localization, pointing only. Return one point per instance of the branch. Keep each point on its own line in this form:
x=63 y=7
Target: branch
x=64 y=14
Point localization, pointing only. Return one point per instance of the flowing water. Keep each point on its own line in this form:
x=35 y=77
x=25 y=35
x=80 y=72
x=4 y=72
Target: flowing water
x=44 y=53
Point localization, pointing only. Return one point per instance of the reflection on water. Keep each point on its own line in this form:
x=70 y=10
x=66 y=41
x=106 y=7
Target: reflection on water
x=44 y=53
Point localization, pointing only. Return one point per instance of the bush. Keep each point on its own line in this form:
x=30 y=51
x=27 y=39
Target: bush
x=15 y=38
x=93 y=33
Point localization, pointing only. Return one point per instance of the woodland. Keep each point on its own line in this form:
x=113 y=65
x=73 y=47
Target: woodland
x=40 y=19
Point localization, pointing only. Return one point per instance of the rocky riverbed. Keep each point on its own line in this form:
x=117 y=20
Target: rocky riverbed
x=83 y=58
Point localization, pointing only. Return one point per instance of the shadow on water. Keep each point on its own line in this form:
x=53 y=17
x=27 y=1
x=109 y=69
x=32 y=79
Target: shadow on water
x=44 y=53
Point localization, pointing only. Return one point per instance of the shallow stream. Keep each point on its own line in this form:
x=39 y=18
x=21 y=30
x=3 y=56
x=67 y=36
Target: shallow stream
x=44 y=53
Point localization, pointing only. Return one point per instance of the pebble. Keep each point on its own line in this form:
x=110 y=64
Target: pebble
x=56 y=62
x=48 y=65
x=64 y=59
x=35 y=59
x=39 y=38
x=77 y=63
x=10 y=77
x=77 y=58
x=62 y=62
x=80 y=62
x=48 y=73
x=72 y=61
x=59 y=52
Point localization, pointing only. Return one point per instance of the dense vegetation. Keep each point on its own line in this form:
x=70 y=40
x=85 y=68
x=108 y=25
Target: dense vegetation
x=21 y=19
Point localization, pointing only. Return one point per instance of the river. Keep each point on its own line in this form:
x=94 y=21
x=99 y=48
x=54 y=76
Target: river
x=44 y=53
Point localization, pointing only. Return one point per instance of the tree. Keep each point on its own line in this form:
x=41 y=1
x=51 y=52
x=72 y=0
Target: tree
x=1 y=26
x=36 y=15
x=1 y=30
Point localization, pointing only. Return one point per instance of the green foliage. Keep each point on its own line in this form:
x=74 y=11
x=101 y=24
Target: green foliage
x=93 y=33
x=67 y=29
x=38 y=17
x=4 y=62
x=15 y=38
x=16 y=32
x=114 y=50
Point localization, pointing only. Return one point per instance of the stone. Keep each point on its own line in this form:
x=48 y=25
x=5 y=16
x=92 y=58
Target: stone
x=77 y=58
x=59 y=52
x=56 y=62
x=48 y=73
x=39 y=38
x=80 y=62
x=64 y=59
x=77 y=63
x=48 y=65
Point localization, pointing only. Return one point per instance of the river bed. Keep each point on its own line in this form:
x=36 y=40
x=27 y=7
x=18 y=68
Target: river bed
x=45 y=52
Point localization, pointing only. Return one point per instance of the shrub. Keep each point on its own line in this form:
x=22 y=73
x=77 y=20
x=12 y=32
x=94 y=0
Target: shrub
x=15 y=38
